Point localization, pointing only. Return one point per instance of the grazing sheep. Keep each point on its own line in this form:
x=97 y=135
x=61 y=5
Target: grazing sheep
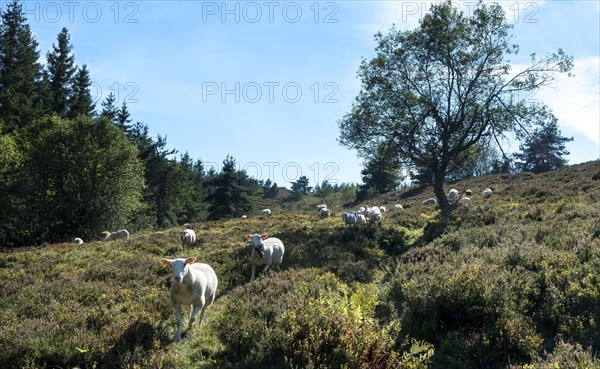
x=383 y=209
x=468 y=192
x=465 y=200
x=121 y=234
x=398 y=207
x=322 y=206
x=78 y=241
x=361 y=219
x=453 y=195
x=349 y=218
x=430 y=201
x=324 y=213
x=375 y=216
x=244 y=217
x=192 y=284
x=487 y=192
x=265 y=251
x=266 y=212
x=187 y=237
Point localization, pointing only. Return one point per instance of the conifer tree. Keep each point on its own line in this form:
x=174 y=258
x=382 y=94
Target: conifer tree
x=60 y=69
x=109 y=109
x=81 y=101
x=20 y=70
x=543 y=150
x=123 y=119
x=230 y=192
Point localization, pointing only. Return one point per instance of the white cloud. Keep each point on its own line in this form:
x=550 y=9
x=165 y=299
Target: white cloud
x=576 y=100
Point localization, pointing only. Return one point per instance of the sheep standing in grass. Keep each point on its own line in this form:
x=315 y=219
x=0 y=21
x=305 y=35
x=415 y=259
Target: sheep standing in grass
x=430 y=201
x=383 y=209
x=361 y=219
x=349 y=218
x=322 y=206
x=487 y=192
x=324 y=213
x=121 y=234
x=453 y=195
x=266 y=212
x=78 y=241
x=265 y=251
x=187 y=237
x=398 y=207
x=192 y=284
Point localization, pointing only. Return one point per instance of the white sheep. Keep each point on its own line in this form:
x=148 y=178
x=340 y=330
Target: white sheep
x=398 y=207
x=187 y=237
x=324 y=213
x=265 y=251
x=78 y=241
x=487 y=192
x=349 y=218
x=430 y=201
x=468 y=192
x=322 y=206
x=266 y=212
x=192 y=284
x=374 y=214
x=121 y=234
x=383 y=209
x=361 y=219
x=244 y=217
x=453 y=195
x=465 y=200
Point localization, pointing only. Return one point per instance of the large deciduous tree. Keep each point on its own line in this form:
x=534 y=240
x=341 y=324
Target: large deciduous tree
x=437 y=90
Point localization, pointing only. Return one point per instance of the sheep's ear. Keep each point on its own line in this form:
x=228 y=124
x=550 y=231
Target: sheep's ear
x=190 y=260
x=264 y=235
x=165 y=262
x=248 y=236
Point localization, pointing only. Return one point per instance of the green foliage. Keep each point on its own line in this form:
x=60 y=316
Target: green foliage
x=382 y=172
x=20 y=87
x=60 y=70
x=81 y=101
x=84 y=178
x=230 y=192
x=544 y=150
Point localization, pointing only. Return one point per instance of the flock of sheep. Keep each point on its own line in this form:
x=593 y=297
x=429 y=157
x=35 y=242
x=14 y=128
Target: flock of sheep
x=195 y=284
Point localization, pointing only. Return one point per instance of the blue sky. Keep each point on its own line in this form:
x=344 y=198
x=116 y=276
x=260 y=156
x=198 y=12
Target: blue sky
x=267 y=81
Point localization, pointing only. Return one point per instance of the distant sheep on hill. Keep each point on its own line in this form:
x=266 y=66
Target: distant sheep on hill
x=324 y=213
x=430 y=201
x=187 y=237
x=453 y=195
x=349 y=218
x=398 y=207
x=487 y=192
x=266 y=212
x=322 y=206
x=121 y=234
x=78 y=241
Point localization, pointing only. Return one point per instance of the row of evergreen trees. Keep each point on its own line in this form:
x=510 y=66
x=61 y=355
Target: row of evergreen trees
x=68 y=170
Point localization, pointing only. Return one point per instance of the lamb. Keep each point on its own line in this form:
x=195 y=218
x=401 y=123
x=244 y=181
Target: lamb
x=430 y=201
x=398 y=207
x=121 y=234
x=265 y=251
x=187 y=237
x=324 y=213
x=487 y=192
x=453 y=195
x=266 y=212
x=78 y=241
x=349 y=218
x=192 y=284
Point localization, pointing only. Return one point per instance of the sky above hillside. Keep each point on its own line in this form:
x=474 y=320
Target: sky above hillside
x=267 y=81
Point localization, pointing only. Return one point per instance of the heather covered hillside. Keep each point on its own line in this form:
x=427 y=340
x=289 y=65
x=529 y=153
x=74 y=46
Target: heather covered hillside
x=512 y=281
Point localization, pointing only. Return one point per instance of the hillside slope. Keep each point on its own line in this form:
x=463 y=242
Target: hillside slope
x=510 y=282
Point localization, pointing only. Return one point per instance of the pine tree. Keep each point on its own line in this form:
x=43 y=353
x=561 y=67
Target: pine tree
x=302 y=184
x=61 y=68
x=123 y=120
x=20 y=70
x=81 y=101
x=382 y=172
x=109 y=110
x=543 y=150
x=230 y=192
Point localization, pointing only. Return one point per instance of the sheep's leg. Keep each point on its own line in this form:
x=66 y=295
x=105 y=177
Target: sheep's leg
x=178 y=314
x=195 y=312
x=266 y=268
x=253 y=275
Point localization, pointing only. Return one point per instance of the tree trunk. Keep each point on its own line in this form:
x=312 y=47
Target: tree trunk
x=440 y=194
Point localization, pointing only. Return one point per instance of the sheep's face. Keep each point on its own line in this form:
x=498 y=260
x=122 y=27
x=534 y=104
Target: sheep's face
x=179 y=266
x=256 y=242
